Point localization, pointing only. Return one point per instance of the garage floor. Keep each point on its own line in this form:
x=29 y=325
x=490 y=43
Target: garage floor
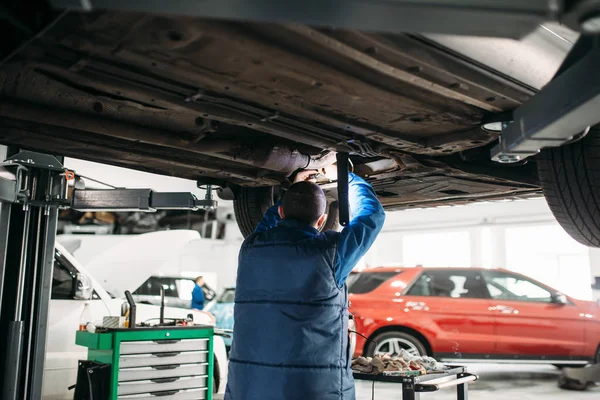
x=496 y=382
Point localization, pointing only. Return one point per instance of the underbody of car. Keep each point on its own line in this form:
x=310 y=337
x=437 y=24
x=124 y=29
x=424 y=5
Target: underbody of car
x=243 y=105
x=247 y=104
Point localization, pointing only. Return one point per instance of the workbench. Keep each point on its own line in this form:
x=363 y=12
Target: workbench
x=170 y=363
x=414 y=385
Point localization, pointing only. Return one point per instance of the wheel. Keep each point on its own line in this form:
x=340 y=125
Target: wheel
x=571 y=384
x=393 y=342
x=216 y=375
x=570 y=178
x=333 y=218
x=251 y=203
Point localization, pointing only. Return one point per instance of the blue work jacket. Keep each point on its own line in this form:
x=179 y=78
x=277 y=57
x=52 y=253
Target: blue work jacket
x=290 y=340
x=197 y=298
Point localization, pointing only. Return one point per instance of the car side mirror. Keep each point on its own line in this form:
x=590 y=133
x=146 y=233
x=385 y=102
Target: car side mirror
x=559 y=298
x=83 y=287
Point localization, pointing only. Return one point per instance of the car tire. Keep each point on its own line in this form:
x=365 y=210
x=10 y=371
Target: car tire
x=570 y=178
x=572 y=384
x=216 y=375
x=402 y=337
x=251 y=203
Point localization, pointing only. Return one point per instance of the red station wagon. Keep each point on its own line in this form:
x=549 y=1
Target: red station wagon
x=474 y=314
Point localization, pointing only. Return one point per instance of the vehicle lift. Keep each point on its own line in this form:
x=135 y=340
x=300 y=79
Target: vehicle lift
x=33 y=187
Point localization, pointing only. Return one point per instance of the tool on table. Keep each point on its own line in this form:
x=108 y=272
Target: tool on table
x=132 y=308
x=342 y=187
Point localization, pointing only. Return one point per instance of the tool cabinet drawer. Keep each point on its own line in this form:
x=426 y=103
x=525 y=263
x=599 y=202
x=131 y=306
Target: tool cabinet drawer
x=151 y=360
x=193 y=394
x=162 y=385
x=165 y=371
x=160 y=346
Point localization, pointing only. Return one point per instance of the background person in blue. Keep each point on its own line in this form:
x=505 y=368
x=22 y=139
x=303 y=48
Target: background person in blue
x=198 y=294
x=291 y=319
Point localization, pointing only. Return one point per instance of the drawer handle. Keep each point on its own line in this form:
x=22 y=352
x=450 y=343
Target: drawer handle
x=165 y=393
x=171 y=354
x=165 y=380
x=163 y=367
x=172 y=341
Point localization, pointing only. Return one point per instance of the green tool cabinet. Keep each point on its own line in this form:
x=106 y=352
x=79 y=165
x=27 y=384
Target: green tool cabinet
x=174 y=363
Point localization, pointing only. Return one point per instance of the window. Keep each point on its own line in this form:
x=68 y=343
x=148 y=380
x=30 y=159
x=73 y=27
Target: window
x=174 y=287
x=228 y=296
x=366 y=282
x=447 y=283
x=62 y=283
x=152 y=287
x=63 y=278
x=504 y=286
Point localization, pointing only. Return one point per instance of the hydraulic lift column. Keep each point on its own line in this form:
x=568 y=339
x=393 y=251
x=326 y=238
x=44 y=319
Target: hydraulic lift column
x=27 y=233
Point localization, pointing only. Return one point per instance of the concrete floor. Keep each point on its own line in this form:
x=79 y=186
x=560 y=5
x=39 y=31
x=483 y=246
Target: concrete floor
x=496 y=382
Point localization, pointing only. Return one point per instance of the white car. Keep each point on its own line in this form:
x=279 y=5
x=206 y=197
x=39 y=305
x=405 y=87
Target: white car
x=72 y=287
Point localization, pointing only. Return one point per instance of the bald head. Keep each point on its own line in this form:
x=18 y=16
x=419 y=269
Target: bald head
x=305 y=202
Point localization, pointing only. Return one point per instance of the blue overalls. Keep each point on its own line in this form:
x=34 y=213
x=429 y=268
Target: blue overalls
x=291 y=318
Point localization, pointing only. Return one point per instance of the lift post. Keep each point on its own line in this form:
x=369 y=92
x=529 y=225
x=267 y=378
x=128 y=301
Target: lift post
x=27 y=233
x=33 y=187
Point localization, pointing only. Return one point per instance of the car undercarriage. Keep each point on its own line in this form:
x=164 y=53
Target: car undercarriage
x=242 y=105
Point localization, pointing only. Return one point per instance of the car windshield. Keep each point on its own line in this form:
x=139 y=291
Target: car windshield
x=228 y=296
x=366 y=282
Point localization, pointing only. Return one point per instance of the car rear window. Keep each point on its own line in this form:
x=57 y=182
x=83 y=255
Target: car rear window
x=366 y=282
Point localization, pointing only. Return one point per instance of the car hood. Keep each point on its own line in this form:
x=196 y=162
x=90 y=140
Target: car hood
x=223 y=313
x=131 y=262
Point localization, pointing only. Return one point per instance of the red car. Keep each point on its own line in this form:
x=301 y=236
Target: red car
x=471 y=314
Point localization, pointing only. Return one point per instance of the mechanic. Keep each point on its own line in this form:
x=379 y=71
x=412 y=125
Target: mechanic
x=291 y=320
x=198 y=294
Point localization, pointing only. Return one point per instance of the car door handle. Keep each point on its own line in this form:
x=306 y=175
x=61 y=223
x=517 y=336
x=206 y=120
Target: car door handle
x=503 y=309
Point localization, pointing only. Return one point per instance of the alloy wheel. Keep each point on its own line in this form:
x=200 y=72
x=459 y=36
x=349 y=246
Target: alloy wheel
x=394 y=346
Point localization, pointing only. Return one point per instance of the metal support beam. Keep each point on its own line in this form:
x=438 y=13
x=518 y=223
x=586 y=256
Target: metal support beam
x=4 y=223
x=507 y=18
x=565 y=108
x=27 y=233
x=137 y=200
x=342 y=187
x=41 y=305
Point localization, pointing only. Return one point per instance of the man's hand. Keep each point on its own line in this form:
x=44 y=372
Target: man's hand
x=306 y=176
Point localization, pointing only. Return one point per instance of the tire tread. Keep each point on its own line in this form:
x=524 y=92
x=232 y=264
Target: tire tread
x=570 y=178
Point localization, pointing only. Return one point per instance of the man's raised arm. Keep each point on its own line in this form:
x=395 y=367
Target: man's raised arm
x=366 y=223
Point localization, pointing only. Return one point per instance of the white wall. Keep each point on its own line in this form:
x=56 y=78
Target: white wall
x=520 y=235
